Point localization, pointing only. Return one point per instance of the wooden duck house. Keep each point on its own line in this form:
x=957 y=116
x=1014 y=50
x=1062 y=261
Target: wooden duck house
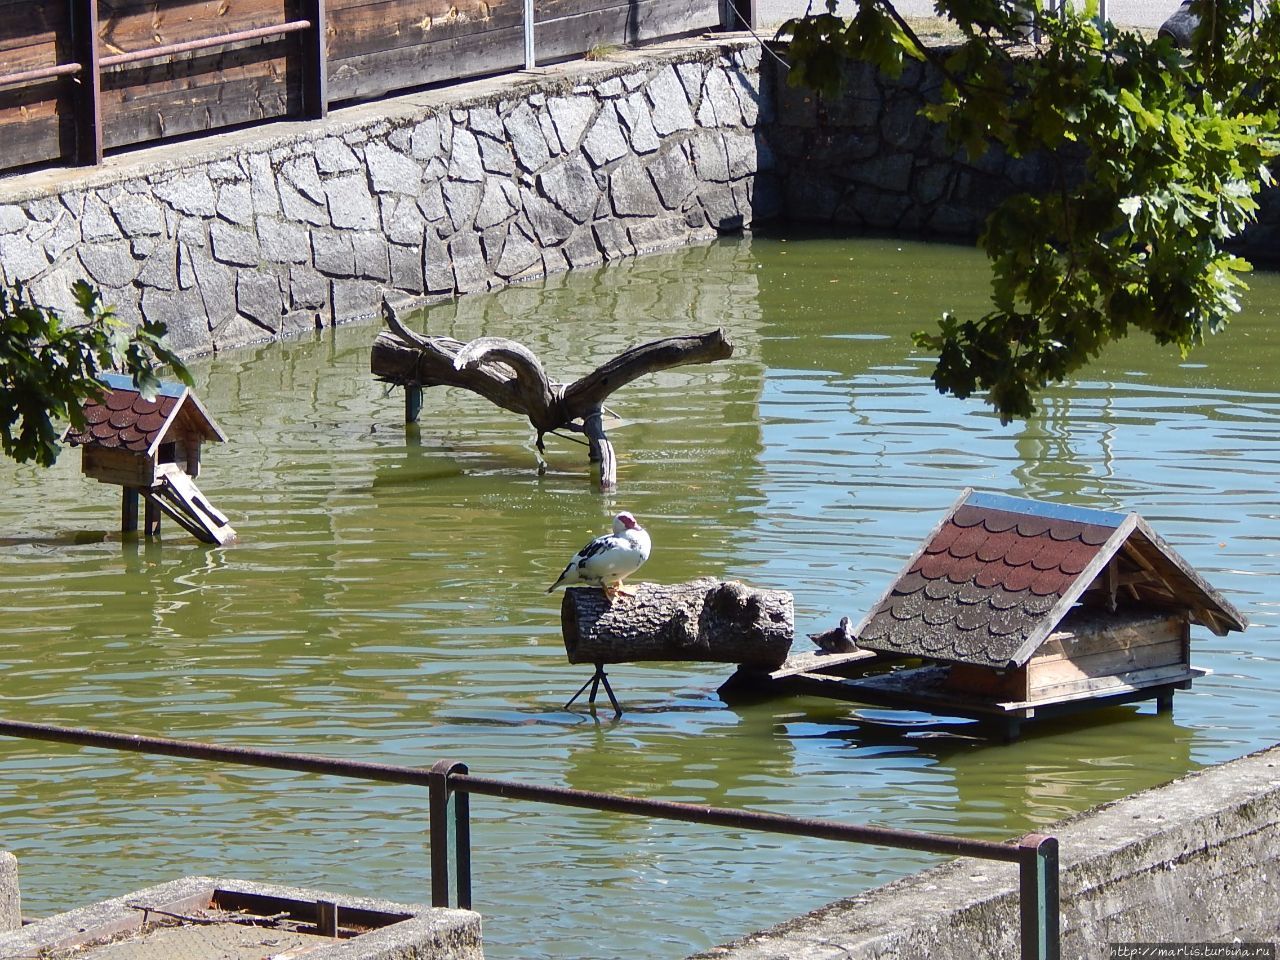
x=151 y=448
x=1025 y=609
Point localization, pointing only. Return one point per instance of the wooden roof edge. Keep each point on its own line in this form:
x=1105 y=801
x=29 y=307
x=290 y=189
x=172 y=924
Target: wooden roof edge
x=1054 y=616
x=1214 y=605
x=214 y=432
x=862 y=624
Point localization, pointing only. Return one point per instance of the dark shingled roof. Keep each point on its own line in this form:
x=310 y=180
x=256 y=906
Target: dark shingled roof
x=999 y=573
x=123 y=419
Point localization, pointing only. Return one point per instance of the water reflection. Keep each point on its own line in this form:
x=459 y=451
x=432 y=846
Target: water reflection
x=387 y=601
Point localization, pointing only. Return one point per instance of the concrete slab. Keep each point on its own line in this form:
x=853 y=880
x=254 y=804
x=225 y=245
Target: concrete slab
x=10 y=901
x=166 y=922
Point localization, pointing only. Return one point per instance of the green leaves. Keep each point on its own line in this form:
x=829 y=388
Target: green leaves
x=49 y=367
x=1159 y=155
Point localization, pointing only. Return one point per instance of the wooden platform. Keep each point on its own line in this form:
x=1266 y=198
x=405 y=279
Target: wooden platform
x=924 y=689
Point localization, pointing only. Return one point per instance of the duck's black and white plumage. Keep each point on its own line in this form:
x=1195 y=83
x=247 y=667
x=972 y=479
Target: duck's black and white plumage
x=606 y=561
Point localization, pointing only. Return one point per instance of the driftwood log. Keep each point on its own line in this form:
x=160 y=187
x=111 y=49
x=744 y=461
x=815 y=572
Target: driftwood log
x=706 y=619
x=511 y=376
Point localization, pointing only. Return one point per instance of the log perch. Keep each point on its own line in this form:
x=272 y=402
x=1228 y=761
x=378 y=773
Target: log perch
x=703 y=620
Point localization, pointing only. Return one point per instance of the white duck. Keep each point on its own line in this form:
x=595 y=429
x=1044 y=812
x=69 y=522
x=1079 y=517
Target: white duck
x=607 y=560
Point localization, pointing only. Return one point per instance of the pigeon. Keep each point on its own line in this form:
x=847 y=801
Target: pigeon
x=608 y=559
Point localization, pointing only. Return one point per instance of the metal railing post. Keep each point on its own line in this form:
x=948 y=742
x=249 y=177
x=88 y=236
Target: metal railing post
x=1038 y=897
x=88 y=95
x=530 y=61
x=440 y=795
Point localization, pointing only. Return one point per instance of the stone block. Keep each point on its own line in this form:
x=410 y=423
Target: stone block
x=674 y=177
x=138 y=216
x=464 y=158
x=406 y=268
x=108 y=264
x=501 y=199
x=97 y=223
x=611 y=238
x=581 y=249
x=184 y=313
x=351 y=205
x=160 y=269
x=390 y=171
x=258 y=297
x=548 y=222
x=605 y=142
x=262 y=185
x=424 y=142
x=462 y=200
x=333 y=253
x=496 y=156
x=192 y=194
x=470 y=270
x=10 y=896
x=632 y=193
x=21 y=260
x=520 y=255
x=283 y=242
x=371 y=255
x=710 y=162
x=402 y=220
x=334 y=156
x=234 y=245
x=308 y=289
x=300 y=208
x=527 y=141
x=355 y=299
x=571 y=116
x=235 y=203
x=431 y=202
x=13 y=219
x=638 y=120
x=437 y=267
x=571 y=186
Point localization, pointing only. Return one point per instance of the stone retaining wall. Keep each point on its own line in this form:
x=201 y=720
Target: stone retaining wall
x=252 y=235
x=1195 y=860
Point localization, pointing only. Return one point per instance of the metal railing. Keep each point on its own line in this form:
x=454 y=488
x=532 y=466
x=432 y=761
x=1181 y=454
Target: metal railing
x=449 y=786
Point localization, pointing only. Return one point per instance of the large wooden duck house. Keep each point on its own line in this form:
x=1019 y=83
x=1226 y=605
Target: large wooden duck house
x=151 y=448
x=1025 y=609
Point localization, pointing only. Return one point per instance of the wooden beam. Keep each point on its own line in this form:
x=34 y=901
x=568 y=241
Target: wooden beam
x=88 y=96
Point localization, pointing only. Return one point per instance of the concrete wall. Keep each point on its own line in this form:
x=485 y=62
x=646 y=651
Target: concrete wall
x=1196 y=860
x=247 y=236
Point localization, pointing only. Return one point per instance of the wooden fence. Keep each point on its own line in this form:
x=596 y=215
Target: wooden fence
x=81 y=76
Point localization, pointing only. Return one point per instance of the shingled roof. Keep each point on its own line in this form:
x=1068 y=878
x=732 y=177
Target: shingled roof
x=124 y=419
x=1000 y=573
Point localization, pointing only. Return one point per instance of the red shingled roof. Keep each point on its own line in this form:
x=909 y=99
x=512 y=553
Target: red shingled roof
x=124 y=419
x=999 y=574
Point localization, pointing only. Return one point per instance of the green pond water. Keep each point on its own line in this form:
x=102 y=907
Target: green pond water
x=386 y=601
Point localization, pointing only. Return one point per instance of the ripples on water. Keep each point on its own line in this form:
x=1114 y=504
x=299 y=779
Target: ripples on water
x=386 y=601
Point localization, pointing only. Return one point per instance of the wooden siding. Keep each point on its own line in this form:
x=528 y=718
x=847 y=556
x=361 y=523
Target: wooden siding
x=35 y=119
x=373 y=48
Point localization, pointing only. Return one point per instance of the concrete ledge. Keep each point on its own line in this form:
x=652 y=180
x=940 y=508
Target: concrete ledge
x=438 y=934
x=10 y=900
x=1195 y=860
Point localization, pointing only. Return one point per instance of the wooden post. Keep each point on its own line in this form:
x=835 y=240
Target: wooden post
x=315 y=65
x=151 y=519
x=128 y=510
x=88 y=97
x=600 y=450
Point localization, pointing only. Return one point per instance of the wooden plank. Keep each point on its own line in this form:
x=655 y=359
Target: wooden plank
x=1129 y=680
x=817 y=661
x=34 y=130
x=129 y=25
x=1096 y=635
x=110 y=465
x=153 y=101
x=499 y=46
x=1062 y=674
x=986 y=681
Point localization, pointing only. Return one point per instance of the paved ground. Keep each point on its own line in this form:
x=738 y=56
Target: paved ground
x=1130 y=13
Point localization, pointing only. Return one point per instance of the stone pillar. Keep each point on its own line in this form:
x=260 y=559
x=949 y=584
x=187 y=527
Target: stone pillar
x=10 y=901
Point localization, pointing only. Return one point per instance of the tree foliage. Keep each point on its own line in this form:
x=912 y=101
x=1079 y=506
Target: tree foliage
x=1160 y=154
x=49 y=366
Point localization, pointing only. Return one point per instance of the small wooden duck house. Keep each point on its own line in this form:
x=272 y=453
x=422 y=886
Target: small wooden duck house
x=1026 y=609
x=151 y=448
